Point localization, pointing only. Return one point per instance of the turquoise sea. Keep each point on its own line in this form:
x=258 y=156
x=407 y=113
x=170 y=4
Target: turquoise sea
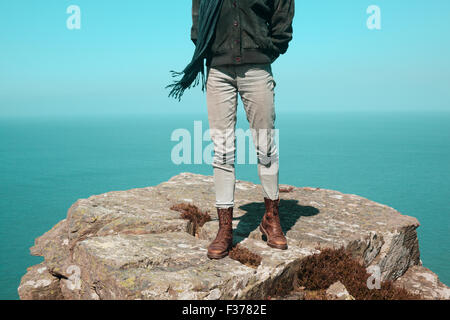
x=46 y=164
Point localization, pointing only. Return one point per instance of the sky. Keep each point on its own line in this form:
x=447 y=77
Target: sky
x=118 y=62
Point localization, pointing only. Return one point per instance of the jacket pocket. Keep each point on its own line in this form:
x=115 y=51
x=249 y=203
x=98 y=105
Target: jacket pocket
x=249 y=40
x=266 y=45
x=221 y=43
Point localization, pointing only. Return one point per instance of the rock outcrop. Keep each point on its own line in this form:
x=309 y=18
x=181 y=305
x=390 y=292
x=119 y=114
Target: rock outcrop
x=337 y=291
x=420 y=280
x=130 y=245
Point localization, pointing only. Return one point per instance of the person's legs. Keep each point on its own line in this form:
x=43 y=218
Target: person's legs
x=221 y=95
x=256 y=87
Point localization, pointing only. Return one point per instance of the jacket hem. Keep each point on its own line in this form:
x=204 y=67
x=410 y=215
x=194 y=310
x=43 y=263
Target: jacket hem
x=247 y=56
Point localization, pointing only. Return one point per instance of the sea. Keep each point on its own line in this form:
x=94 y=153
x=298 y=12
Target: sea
x=401 y=159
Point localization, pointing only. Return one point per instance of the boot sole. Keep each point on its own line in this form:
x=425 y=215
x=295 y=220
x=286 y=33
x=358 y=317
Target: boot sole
x=217 y=256
x=272 y=245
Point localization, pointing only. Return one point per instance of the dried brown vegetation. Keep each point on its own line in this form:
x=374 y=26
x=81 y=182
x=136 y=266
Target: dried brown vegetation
x=318 y=272
x=192 y=213
x=245 y=256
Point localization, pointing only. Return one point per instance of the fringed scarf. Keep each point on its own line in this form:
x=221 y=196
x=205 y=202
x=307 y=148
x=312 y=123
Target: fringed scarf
x=207 y=18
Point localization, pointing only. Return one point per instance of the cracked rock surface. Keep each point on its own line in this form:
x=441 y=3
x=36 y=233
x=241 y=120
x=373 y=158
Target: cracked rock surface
x=130 y=245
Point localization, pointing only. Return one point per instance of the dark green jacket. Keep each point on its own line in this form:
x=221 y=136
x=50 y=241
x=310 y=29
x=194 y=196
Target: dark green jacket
x=248 y=31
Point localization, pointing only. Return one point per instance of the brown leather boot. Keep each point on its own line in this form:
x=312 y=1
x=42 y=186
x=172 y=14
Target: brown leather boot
x=219 y=248
x=270 y=225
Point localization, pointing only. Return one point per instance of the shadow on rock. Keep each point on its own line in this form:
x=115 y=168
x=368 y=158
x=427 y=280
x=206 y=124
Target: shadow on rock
x=290 y=212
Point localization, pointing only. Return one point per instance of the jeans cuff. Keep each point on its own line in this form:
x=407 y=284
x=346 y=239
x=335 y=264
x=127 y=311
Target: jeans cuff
x=224 y=205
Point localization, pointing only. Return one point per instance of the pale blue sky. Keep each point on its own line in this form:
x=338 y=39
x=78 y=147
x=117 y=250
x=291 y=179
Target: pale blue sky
x=119 y=61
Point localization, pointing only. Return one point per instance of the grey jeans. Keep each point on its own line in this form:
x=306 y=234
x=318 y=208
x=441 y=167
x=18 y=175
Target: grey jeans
x=255 y=84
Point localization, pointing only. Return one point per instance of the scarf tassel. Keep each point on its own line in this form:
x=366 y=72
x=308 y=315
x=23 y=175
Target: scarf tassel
x=191 y=78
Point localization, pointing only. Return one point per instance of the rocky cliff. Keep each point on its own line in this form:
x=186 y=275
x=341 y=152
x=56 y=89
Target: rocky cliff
x=131 y=245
